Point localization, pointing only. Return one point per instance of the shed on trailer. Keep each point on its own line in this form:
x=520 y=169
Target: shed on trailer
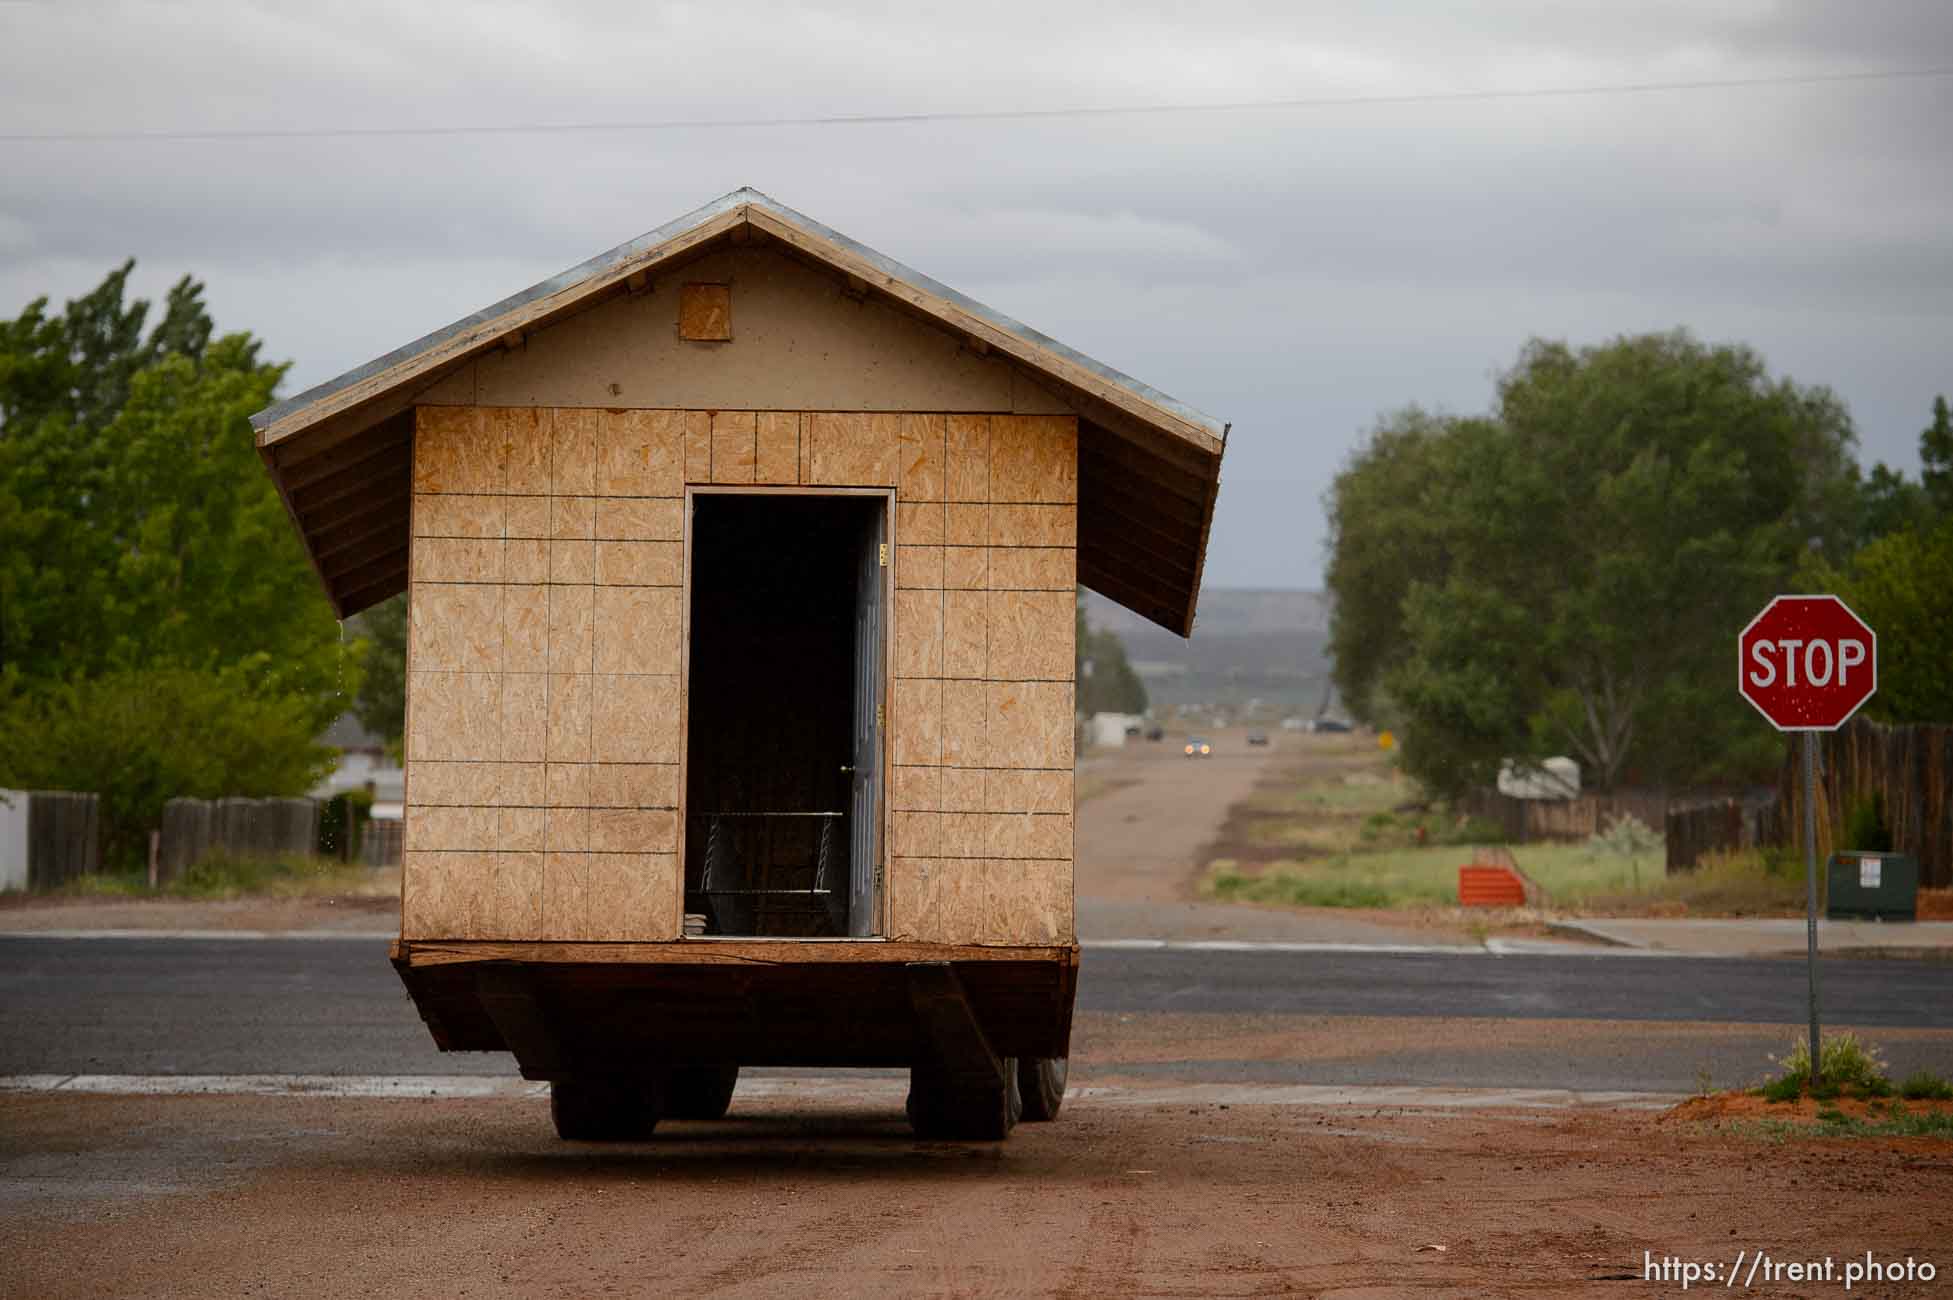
x=741 y=567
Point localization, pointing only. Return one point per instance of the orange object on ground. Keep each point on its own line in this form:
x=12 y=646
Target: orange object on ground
x=1481 y=886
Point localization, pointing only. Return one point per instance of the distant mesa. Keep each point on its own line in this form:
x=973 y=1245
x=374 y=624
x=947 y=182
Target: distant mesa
x=1247 y=644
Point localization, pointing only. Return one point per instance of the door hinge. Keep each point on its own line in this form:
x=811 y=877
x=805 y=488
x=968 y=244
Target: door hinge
x=881 y=715
x=884 y=555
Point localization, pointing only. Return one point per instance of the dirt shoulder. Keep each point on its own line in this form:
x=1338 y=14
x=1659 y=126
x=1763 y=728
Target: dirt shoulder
x=311 y=1197
x=351 y=912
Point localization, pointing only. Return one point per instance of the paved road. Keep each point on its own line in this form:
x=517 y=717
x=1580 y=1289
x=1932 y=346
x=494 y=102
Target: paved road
x=1148 y=819
x=334 y=1006
x=1139 y=840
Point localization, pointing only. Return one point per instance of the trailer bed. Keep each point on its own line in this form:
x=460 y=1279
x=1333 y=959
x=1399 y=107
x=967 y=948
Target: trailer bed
x=562 y=1008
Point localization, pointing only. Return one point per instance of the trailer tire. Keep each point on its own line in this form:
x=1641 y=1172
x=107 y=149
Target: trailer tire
x=698 y=1091
x=1041 y=1082
x=939 y=1110
x=603 y=1109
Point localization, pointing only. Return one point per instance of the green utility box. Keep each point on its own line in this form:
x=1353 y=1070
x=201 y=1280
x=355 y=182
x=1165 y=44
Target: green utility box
x=1874 y=887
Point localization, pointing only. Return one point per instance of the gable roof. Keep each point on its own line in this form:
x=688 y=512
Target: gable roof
x=1149 y=466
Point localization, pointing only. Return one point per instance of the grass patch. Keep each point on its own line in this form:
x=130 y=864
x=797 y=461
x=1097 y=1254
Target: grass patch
x=1749 y=883
x=1572 y=876
x=287 y=876
x=1846 y=1067
x=1895 y=1122
x=1854 y=1098
x=1362 y=792
x=1924 y=1085
x=1342 y=828
x=1420 y=876
x=1285 y=885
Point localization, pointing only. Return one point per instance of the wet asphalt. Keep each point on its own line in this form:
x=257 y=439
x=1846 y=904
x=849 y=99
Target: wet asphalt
x=270 y=1006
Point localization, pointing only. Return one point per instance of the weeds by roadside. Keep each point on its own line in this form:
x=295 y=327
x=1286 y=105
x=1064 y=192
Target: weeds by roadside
x=288 y=876
x=1341 y=828
x=1847 y=1067
x=1571 y=876
x=1924 y=1085
x=1282 y=885
x=1896 y=1121
x=1854 y=1098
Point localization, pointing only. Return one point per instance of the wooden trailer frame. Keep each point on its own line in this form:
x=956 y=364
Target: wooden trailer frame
x=530 y=475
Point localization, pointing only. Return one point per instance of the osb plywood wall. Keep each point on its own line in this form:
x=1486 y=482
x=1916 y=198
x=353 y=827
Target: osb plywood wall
x=544 y=659
x=981 y=702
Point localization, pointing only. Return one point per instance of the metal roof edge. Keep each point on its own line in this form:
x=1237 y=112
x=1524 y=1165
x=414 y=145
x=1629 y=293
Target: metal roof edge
x=584 y=270
x=904 y=272
x=650 y=240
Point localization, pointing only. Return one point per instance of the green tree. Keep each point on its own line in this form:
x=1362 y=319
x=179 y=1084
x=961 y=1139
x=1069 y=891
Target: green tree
x=1106 y=681
x=1564 y=575
x=144 y=550
x=1902 y=586
x=382 y=703
x=1387 y=513
x=1936 y=459
x=140 y=737
x=1892 y=504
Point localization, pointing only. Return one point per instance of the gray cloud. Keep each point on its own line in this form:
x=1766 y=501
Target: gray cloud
x=1297 y=272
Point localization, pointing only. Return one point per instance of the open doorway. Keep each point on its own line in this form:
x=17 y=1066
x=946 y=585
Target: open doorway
x=784 y=771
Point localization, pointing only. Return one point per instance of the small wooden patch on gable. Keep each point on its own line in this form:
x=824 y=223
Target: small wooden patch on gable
x=803 y=346
x=705 y=313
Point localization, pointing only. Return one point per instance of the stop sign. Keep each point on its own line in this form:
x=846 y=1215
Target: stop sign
x=1807 y=663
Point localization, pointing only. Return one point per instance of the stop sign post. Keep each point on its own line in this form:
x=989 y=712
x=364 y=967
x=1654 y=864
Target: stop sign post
x=1807 y=663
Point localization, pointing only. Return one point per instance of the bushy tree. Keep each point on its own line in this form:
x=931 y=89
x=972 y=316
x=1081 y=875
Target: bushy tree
x=1900 y=580
x=382 y=704
x=1892 y=503
x=1387 y=514
x=140 y=737
x=144 y=552
x=1936 y=459
x=1106 y=681
x=1902 y=586
x=1567 y=574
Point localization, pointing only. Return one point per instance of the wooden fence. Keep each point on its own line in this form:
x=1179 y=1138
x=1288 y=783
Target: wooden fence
x=1909 y=769
x=64 y=836
x=1719 y=826
x=380 y=843
x=195 y=829
x=1523 y=821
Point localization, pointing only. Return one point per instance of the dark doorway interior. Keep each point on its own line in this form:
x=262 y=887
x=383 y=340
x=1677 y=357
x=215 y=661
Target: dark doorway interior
x=783 y=789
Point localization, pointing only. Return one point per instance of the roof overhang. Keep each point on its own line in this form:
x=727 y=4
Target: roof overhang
x=1149 y=466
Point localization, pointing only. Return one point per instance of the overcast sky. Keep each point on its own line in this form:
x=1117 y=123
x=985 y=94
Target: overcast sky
x=1296 y=271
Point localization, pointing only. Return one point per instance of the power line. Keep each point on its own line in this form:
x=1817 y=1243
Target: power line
x=980 y=115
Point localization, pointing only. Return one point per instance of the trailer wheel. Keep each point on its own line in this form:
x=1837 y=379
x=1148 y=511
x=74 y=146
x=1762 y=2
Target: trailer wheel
x=1041 y=1081
x=603 y=1109
x=699 y=1091
x=938 y=1109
